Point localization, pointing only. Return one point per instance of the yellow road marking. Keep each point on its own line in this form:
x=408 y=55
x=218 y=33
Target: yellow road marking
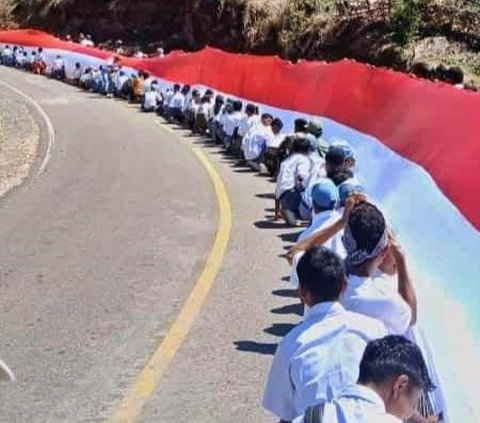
x=149 y=377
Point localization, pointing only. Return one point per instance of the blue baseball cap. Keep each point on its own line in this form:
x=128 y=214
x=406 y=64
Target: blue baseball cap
x=343 y=149
x=325 y=194
x=347 y=189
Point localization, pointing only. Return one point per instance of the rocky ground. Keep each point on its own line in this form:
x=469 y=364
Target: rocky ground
x=19 y=138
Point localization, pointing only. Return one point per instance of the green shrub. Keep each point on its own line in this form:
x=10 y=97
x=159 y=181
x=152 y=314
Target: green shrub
x=405 y=21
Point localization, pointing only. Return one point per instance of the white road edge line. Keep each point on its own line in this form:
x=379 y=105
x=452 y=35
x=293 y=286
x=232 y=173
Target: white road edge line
x=48 y=122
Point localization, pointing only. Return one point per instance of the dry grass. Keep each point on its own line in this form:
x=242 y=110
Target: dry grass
x=261 y=18
x=6 y=9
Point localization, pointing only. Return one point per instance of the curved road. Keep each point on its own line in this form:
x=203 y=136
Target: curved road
x=99 y=254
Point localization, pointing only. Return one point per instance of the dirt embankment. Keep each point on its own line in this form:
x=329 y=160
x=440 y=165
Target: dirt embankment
x=293 y=29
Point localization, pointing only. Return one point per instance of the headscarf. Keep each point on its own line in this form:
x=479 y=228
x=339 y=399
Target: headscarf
x=356 y=255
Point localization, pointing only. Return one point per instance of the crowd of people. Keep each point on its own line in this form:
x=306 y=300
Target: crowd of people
x=353 y=357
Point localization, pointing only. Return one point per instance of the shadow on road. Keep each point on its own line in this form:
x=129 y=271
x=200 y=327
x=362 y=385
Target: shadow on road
x=279 y=329
x=256 y=347
x=290 y=293
x=296 y=308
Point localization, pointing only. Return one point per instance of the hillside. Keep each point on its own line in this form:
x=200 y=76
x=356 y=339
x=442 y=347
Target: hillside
x=434 y=39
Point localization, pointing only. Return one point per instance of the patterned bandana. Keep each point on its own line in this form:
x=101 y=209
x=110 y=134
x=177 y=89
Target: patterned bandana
x=356 y=256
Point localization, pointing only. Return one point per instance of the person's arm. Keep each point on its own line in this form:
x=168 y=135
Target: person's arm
x=321 y=237
x=405 y=285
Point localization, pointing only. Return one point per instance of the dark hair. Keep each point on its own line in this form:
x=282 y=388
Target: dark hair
x=300 y=125
x=322 y=273
x=367 y=224
x=266 y=116
x=391 y=357
x=205 y=99
x=146 y=75
x=176 y=87
x=278 y=123
x=237 y=106
x=78 y=65
x=250 y=108
x=301 y=145
x=335 y=157
x=195 y=92
x=209 y=92
x=218 y=104
x=341 y=176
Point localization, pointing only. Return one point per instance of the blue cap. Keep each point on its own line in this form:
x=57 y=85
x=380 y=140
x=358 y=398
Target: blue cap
x=343 y=148
x=347 y=189
x=325 y=194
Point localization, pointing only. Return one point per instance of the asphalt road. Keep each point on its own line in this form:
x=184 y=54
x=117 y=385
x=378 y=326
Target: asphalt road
x=98 y=255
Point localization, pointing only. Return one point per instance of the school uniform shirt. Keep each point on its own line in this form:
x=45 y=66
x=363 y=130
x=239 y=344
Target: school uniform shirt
x=358 y=404
x=247 y=124
x=377 y=297
x=167 y=97
x=275 y=140
x=255 y=142
x=205 y=109
x=296 y=169
x=58 y=64
x=232 y=121
x=319 y=222
x=147 y=84
x=151 y=99
x=121 y=82
x=177 y=101
x=318 y=359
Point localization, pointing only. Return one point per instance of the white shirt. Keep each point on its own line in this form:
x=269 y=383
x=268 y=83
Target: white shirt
x=377 y=297
x=7 y=51
x=276 y=140
x=177 y=101
x=247 y=123
x=358 y=404
x=58 y=64
x=298 y=168
x=147 y=84
x=205 y=109
x=87 y=43
x=151 y=99
x=319 y=222
x=318 y=359
x=232 y=121
x=167 y=97
x=255 y=141
x=121 y=81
